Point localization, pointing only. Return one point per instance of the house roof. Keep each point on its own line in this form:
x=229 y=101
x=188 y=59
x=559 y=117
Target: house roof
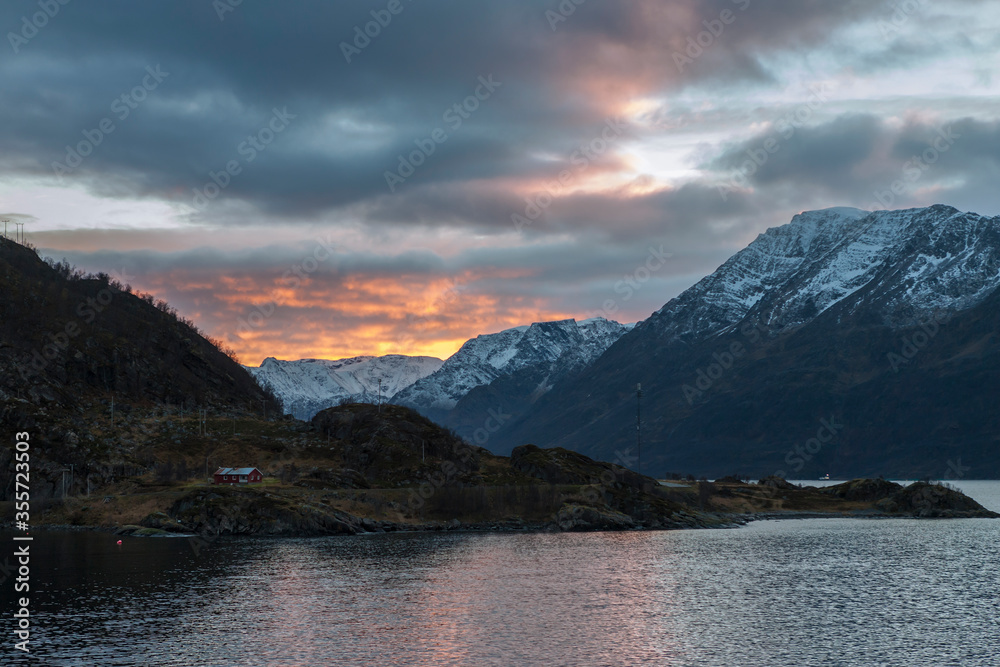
x=235 y=471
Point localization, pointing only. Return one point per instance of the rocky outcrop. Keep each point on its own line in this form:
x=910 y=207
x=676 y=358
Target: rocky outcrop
x=610 y=497
x=236 y=511
x=583 y=518
x=390 y=443
x=162 y=521
x=776 y=483
x=923 y=499
x=867 y=490
x=562 y=466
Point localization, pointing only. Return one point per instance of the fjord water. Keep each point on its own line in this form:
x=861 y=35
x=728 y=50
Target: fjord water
x=795 y=592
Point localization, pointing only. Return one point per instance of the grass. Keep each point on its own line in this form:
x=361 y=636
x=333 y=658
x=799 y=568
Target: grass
x=399 y=505
x=744 y=498
x=495 y=491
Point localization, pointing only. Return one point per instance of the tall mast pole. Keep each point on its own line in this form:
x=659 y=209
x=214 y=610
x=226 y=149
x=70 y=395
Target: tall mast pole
x=638 y=423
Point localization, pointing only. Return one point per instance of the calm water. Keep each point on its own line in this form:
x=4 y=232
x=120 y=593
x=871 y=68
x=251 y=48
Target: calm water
x=803 y=592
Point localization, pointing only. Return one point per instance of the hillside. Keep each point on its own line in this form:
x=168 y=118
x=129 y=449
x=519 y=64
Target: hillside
x=357 y=468
x=885 y=323
x=70 y=345
x=495 y=376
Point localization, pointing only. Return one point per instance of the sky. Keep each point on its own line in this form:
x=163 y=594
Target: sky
x=313 y=179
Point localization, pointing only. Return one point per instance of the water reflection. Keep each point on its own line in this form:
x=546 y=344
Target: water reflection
x=780 y=593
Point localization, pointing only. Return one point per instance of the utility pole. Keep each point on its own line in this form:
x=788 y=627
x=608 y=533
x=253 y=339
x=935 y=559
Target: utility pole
x=380 y=395
x=638 y=422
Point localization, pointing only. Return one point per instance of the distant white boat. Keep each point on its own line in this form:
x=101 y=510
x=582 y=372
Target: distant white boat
x=825 y=477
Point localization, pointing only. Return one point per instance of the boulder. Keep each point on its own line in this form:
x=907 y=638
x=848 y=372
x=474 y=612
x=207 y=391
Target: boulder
x=775 y=482
x=582 y=518
x=240 y=511
x=161 y=521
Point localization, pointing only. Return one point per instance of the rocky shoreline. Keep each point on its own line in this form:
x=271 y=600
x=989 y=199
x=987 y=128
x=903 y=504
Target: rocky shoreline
x=363 y=526
x=224 y=511
x=394 y=471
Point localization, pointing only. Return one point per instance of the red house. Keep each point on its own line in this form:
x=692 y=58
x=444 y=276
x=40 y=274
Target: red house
x=238 y=476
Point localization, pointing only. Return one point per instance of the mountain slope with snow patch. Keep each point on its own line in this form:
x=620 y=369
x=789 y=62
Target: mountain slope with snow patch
x=307 y=386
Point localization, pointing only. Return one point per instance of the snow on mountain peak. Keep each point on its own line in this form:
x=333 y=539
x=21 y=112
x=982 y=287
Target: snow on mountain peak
x=483 y=359
x=307 y=386
x=904 y=263
x=916 y=259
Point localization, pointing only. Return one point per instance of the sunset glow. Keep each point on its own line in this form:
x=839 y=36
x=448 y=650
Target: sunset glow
x=578 y=143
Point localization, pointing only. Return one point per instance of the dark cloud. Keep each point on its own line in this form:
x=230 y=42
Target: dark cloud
x=854 y=157
x=352 y=303
x=353 y=120
x=824 y=154
x=689 y=75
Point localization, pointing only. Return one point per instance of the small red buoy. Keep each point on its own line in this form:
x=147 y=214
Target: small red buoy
x=119 y=542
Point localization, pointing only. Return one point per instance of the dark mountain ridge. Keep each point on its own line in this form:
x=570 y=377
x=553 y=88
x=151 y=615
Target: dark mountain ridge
x=883 y=323
x=70 y=344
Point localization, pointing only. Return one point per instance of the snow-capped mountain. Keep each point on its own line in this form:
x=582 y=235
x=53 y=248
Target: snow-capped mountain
x=885 y=319
x=430 y=384
x=908 y=262
x=310 y=385
x=552 y=348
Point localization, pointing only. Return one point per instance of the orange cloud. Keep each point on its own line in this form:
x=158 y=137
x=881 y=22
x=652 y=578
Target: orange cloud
x=334 y=316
